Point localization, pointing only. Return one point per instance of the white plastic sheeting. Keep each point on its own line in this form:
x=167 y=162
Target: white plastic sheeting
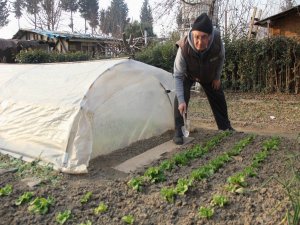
x=68 y=113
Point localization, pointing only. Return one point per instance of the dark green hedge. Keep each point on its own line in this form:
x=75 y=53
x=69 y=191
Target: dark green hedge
x=161 y=55
x=266 y=65
x=41 y=56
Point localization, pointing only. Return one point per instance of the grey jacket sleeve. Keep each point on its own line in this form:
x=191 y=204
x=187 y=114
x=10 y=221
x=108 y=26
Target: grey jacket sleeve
x=179 y=73
x=221 y=63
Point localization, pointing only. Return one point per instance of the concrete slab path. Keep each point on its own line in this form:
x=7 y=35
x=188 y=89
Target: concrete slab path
x=149 y=156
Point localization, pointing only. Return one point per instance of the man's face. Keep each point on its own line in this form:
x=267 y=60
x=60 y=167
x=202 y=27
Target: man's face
x=201 y=40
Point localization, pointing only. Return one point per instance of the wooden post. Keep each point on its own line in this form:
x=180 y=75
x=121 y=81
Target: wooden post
x=252 y=23
x=226 y=24
x=255 y=29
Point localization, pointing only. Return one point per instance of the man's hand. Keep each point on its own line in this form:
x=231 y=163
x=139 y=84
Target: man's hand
x=216 y=84
x=182 y=108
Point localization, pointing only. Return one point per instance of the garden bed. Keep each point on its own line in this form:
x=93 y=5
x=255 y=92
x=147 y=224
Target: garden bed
x=262 y=198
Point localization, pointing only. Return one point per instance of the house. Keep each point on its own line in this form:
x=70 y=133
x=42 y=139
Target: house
x=71 y=42
x=286 y=23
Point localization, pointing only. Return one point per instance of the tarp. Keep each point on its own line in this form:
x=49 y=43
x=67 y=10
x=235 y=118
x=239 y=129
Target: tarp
x=69 y=113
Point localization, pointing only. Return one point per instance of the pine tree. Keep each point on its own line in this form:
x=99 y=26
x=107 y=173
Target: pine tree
x=147 y=18
x=17 y=9
x=93 y=14
x=51 y=13
x=3 y=13
x=116 y=17
x=134 y=29
x=84 y=11
x=105 y=21
x=89 y=11
x=70 y=6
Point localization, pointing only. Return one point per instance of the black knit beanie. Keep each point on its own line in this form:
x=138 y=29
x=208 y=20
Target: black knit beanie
x=203 y=23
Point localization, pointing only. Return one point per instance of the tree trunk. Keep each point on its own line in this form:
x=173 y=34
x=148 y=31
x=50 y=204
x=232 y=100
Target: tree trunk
x=72 y=25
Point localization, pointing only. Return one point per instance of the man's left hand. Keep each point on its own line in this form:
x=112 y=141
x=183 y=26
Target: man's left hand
x=216 y=84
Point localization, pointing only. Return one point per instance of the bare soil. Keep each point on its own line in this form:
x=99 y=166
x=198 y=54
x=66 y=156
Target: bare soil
x=264 y=202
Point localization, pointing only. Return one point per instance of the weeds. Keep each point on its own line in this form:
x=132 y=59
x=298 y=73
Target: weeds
x=291 y=187
x=30 y=169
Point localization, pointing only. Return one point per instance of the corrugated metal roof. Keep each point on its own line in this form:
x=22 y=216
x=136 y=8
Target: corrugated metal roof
x=62 y=34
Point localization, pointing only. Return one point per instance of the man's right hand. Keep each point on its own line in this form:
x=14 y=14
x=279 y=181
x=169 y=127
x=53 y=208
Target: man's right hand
x=182 y=108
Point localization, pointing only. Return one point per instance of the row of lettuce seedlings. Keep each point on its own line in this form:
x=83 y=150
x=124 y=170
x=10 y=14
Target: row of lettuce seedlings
x=157 y=174
x=205 y=171
x=41 y=205
x=237 y=182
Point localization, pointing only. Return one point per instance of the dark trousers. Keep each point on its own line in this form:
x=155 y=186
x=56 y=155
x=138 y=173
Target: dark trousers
x=216 y=99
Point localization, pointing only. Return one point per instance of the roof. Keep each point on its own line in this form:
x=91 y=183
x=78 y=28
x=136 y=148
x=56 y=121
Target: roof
x=263 y=22
x=63 y=34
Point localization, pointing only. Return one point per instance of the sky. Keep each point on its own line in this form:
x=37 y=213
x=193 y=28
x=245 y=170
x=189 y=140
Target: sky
x=161 y=27
x=134 y=7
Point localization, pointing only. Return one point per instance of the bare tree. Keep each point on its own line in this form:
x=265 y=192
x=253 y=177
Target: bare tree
x=33 y=8
x=287 y=4
x=70 y=6
x=232 y=17
x=17 y=9
x=50 y=14
x=4 y=13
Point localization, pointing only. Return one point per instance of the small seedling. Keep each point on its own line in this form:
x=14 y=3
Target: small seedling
x=136 y=183
x=101 y=208
x=154 y=174
x=168 y=194
x=183 y=185
x=206 y=212
x=237 y=179
x=167 y=165
x=40 y=205
x=24 y=198
x=88 y=222
x=7 y=190
x=181 y=159
x=62 y=217
x=219 y=200
x=203 y=172
x=129 y=219
x=86 y=197
x=250 y=171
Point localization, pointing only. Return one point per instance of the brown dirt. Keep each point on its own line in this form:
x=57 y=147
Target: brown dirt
x=265 y=201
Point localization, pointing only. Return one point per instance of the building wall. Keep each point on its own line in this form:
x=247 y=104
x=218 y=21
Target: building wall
x=288 y=26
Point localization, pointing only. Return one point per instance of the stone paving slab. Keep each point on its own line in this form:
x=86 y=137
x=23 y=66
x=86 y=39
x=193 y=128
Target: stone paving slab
x=149 y=156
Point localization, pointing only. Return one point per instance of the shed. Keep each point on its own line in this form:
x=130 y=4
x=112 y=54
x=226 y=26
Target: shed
x=68 y=113
x=286 y=23
x=65 y=41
